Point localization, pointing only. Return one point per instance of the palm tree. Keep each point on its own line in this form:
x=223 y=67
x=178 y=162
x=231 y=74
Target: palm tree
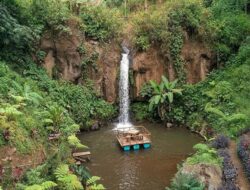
x=163 y=95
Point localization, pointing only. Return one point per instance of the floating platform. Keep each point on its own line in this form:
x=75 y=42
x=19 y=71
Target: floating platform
x=133 y=138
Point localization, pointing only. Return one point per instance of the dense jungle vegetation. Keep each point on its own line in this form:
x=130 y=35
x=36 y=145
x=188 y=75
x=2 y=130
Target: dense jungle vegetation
x=33 y=105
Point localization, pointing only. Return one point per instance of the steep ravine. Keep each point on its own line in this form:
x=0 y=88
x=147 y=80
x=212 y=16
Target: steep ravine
x=64 y=59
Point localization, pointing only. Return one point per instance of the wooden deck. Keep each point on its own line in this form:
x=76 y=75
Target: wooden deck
x=134 y=136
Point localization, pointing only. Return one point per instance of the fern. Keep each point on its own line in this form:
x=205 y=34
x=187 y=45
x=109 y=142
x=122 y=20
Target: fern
x=48 y=185
x=34 y=187
x=93 y=180
x=210 y=109
x=92 y=183
x=75 y=142
x=185 y=182
x=10 y=111
x=204 y=154
x=229 y=119
x=44 y=186
x=62 y=171
x=67 y=181
x=97 y=187
x=237 y=117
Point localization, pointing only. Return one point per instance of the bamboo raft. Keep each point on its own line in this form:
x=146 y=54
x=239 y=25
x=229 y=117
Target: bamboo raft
x=133 y=137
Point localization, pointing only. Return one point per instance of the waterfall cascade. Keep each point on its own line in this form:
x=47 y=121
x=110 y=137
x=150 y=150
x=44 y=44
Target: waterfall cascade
x=124 y=91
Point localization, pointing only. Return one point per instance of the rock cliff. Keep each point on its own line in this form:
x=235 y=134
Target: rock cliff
x=65 y=60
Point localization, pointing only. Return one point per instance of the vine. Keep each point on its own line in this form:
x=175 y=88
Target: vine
x=176 y=43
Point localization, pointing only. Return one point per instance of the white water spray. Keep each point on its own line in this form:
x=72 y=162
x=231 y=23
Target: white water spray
x=124 y=91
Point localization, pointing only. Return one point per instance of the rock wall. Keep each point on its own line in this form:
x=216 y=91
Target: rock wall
x=151 y=65
x=198 y=60
x=64 y=59
x=61 y=52
x=147 y=66
x=105 y=77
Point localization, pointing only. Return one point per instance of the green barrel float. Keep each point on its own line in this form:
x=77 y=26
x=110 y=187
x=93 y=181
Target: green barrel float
x=126 y=148
x=147 y=145
x=136 y=147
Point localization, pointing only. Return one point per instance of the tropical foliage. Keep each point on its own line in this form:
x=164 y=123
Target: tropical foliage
x=204 y=154
x=163 y=96
x=185 y=182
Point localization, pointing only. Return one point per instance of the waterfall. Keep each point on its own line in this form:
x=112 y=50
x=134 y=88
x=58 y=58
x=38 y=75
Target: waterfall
x=124 y=91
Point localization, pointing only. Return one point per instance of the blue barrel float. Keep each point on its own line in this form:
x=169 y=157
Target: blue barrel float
x=147 y=145
x=126 y=148
x=136 y=147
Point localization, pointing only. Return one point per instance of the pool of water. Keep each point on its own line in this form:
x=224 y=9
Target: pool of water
x=150 y=169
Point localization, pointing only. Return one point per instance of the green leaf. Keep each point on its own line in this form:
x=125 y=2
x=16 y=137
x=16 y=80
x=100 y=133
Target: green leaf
x=157 y=99
x=93 y=180
x=151 y=104
x=178 y=91
x=170 y=97
x=75 y=142
x=47 y=185
x=154 y=86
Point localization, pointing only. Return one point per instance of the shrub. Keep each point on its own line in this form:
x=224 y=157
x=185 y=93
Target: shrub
x=244 y=154
x=204 y=154
x=220 y=141
x=82 y=103
x=229 y=171
x=185 y=182
x=14 y=37
x=101 y=23
x=146 y=91
x=142 y=43
x=140 y=111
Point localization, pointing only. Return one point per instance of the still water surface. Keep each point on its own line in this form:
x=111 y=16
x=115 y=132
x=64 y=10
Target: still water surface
x=150 y=169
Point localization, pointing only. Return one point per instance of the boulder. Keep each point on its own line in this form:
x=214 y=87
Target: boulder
x=95 y=126
x=210 y=175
